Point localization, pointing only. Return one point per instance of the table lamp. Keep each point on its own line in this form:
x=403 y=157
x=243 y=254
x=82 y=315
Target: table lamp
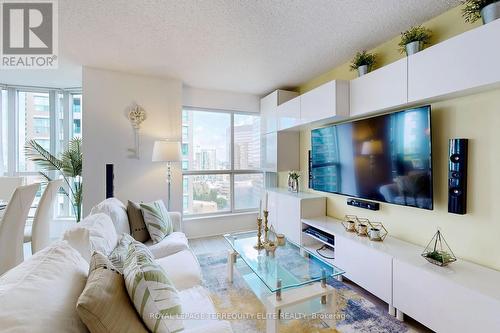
x=167 y=151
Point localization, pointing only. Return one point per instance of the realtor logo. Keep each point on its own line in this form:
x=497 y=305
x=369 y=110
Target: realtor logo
x=29 y=34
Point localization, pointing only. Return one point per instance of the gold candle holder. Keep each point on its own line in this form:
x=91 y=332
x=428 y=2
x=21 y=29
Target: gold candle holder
x=266 y=228
x=259 y=244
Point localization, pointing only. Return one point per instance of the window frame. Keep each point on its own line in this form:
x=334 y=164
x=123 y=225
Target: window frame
x=231 y=171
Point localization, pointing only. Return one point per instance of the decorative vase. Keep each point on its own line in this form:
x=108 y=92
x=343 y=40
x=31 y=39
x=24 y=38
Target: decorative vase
x=414 y=47
x=491 y=12
x=294 y=186
x=364 y=69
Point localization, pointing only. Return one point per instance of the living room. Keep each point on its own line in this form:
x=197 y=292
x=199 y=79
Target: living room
x=233 y=166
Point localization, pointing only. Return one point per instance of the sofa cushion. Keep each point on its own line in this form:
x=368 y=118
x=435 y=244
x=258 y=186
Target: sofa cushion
x=104 y=305
x=117 y=211
x=119 y=253
x=187 y=277
x=171 y=244
x=157 y=220
x=40 y=294
x=152 y=293
x=94 y=233
x=138 y=228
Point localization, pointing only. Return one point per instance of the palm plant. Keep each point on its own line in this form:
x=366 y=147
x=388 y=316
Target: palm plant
x=69 y=165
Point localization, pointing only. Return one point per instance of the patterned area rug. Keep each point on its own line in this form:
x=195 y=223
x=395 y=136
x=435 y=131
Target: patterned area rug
x=353 y=313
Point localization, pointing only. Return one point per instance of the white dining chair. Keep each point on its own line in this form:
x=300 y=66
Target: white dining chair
x=8 y=185
x=12 y=226
x=39 y=233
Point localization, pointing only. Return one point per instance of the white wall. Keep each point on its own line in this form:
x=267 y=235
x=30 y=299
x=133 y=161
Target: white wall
x=222 y=100
x=108 y=134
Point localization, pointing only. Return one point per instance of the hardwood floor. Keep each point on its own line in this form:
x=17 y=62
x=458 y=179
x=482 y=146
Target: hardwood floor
x=218 y=244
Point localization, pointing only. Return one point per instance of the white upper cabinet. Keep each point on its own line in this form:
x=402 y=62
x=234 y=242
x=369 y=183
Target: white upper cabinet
x=328 y=101
x=268 y=109
x=381 y=89
x=280 y=151
x=458 y=65
x=289 y=114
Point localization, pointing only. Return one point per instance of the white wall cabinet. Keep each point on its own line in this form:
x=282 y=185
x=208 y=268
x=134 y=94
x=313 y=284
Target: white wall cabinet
x=367 y=267
x=329 y=101
x=462 y=297
x=379 y=90
x=460 y=64
x=268 y=109
x=280 y=151
x=289 y=114
x=286 y=210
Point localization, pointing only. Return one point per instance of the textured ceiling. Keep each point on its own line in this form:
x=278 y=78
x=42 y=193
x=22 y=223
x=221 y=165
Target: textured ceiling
x=250 y=46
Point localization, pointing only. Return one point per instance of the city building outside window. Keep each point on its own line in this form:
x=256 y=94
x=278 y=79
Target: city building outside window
x=51 y=117
x=221 y=162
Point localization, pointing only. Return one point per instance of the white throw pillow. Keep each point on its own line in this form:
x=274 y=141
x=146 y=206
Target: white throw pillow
x=117 y=211
x=95 y=233
x=157 y=220
x=40 y=295
x=152 y=293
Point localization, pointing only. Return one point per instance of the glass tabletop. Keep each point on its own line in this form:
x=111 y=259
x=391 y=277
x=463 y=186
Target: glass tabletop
x=288 y=264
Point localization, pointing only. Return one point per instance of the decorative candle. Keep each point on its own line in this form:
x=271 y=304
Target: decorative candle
x=260 y=208
x=267 y=200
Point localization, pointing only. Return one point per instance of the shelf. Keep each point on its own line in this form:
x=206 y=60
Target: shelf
x=311 y=249
x=318 y=239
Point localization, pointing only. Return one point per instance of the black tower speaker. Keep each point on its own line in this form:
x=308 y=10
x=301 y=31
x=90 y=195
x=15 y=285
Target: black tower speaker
x=110 y=187
x=457 y=176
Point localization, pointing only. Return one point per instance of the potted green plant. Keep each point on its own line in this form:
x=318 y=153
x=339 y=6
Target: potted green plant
x=488 y=10
x=69 y=166
x=363 y=62
x=414 y=39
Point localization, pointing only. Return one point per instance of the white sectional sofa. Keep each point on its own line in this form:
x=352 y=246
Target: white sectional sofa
x=40 y=295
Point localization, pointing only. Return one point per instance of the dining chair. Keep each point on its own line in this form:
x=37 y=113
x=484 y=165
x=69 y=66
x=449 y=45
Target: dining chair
x=8 y=185
x=12 y=226
x=39 y=233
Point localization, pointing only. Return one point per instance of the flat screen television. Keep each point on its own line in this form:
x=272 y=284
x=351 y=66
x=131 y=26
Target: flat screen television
x=385 y=158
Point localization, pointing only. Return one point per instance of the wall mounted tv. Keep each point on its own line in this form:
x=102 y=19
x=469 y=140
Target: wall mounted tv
x=385 y=158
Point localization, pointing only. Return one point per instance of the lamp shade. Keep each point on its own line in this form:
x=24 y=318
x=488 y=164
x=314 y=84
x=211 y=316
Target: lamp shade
x=373 y=147
x=166 y=151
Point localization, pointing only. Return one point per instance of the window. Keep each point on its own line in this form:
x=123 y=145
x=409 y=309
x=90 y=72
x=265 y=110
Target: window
x=34 y=123
x=44 y=115
x=221 y=161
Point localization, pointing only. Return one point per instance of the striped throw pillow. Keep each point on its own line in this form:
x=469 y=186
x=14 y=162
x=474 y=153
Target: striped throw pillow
x=152 y=293
x=157 y=220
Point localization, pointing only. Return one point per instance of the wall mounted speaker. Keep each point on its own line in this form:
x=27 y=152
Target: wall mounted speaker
x=110 y=186
x=457 y=176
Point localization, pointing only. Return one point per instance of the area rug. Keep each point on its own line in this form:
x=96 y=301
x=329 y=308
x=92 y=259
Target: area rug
x=238 y=304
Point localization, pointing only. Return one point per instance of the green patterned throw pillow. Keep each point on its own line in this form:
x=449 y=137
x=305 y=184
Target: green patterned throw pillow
x=120 y=252
x=157 y=220
x=152 y=293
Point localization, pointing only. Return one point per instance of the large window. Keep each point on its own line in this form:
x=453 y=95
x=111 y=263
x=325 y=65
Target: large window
x=49 y=116
x=221 y=162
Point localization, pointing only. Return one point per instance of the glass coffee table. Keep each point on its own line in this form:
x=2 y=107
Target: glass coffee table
x=290 y=274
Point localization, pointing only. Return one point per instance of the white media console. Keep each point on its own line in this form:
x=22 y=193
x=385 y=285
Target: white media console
x=462 y=297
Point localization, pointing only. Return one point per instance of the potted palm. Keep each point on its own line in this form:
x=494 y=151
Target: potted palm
x=414 y=39
x=488 y=10
x=68 y=165
x=363 y=62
